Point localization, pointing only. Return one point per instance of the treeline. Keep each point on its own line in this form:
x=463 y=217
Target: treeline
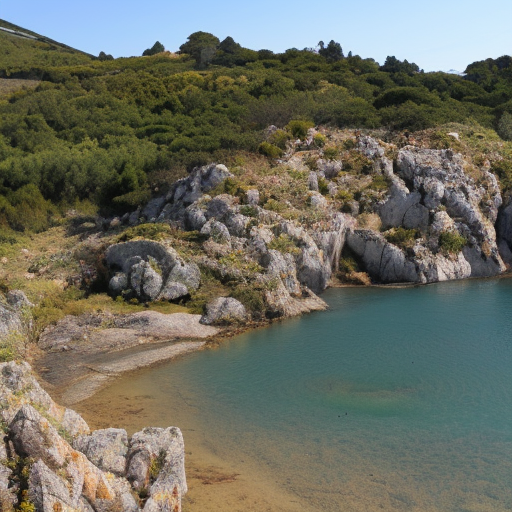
x=95 y=129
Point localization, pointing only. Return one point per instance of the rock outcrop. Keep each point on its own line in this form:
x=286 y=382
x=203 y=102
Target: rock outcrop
x=71 y=469
x=149 y=271
x=431 y=193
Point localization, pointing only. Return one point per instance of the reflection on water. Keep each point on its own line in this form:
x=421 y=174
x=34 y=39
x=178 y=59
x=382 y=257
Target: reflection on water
x=394 y=399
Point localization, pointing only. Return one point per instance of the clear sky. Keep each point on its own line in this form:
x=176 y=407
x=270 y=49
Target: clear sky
x=436 y=34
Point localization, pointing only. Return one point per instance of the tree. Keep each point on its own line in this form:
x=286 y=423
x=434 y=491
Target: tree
x=332 y=52
x=158 y=47
x=202 y=46
x=393 y=65
x=103 y=56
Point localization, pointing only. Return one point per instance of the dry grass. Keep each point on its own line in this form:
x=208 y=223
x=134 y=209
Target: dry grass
x=10 y=85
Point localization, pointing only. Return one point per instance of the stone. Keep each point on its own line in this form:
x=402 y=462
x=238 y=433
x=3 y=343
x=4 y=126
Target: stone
x=106 y=449
x=329 y=168
x=120 y=256
x=153 y=450
x=219 y=206
x=17 y=299
x=152 y=209
x=317 y=200
x=194 y=218
x=312 y=270
x=173 y=290
x=217 y=231
x=9 y=320
x=224 y=310
x=145 y=281
x=236 y=224
x=187 y=274
x=282 y=266
x=313 y=181
x=369 y=147
x=383 y=261
x=48 y=491
x=118 y=283
x=253 y=197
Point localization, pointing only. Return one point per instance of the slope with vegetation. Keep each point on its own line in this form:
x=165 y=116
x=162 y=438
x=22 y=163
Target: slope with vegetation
x=102 y=136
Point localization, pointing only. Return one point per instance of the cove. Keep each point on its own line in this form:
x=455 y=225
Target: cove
x=393 y=399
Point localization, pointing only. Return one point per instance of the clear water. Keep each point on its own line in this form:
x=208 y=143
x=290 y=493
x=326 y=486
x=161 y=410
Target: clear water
x=394 y=399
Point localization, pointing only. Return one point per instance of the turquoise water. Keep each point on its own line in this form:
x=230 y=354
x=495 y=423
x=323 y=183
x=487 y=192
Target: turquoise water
x=394 y=399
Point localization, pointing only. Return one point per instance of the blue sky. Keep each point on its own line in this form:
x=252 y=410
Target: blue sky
x=436 y=34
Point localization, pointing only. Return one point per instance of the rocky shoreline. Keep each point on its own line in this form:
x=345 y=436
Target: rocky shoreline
x=412 y=216
x=49 y=459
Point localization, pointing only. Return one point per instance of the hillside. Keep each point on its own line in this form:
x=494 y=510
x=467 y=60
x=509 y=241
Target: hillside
x=89 y=148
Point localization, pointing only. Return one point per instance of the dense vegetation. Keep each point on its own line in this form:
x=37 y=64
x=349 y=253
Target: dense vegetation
x=106 y=131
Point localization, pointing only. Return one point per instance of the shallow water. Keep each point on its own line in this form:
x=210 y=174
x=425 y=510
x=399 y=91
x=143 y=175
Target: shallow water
x=394 y=399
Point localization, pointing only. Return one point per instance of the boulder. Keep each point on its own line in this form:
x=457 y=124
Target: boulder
x=17 y=299
x=106 y=449
x=282 y=266
x=253 y=197
x=217 y=231
x=145 y=281
x=118 y=283
x=173 y=290
x=313 y=181
x=122 y=256
x=153 y=451
x=187 y=274
x=224 y=310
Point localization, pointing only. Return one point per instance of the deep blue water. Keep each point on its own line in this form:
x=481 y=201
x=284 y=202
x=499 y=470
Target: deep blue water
x=394 y=399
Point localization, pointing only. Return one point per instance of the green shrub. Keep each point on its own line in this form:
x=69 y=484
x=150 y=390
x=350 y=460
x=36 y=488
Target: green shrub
x=299 y=129
x=319 y=140
x=380 y=182
x=267 y=149
x=284 y=243
x=401 y=237
x=279 y=138
x=503 y=169
x=151 y=231
x=323 y=186
x=274 y=206
x=249 y=210
x=348 y=265
x=451 y=242
x=250 y=296
x=331 y=153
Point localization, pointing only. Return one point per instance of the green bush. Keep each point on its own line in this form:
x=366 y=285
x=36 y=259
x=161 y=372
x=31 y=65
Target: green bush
x=270 y=150
x=279 y=138
x=250 y=296
x=319 y=140
x=451 y=242
x=503 y=169
x=401 y=237
x=299 y=129
x=284 y=243
x=331 y=153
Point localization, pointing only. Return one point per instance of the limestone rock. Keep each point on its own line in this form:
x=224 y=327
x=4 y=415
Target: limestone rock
x=313 y=181
x=173 y=290
x=106 y=449
x=282 y=266
x=253 y=197
x=118 y=283
x=224 y=310
x=158 y=448
x=187 y=274
x=17 y=299
x=121 y=256
x=217 y=231
x=145 y=280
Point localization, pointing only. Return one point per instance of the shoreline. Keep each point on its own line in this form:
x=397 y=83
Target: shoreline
x=111 y=365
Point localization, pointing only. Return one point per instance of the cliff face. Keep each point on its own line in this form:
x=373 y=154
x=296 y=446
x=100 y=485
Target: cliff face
x=50 y=459
x=422 y=216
